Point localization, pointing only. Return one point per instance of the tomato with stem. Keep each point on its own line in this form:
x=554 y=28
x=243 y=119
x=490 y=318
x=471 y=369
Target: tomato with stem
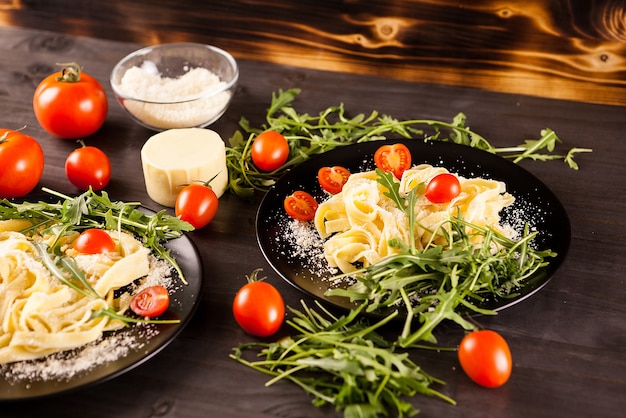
x=443 y=188
x=87 y=167
x=21 y=163
x=151 y=301
x=486 y=358
x=333 y=178
x=258 y=307
x=300 y=205
x=270 y=150
x=70 y=104
x=94 y=241
x=197 y=204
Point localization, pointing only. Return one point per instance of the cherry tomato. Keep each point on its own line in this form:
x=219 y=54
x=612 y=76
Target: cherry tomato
x=332 y=179
x=443 y=188
x=88 y=166
x=270 y=151
x=70 y=104
x=21 y=163
x=94 y=241
x=151 y=301
x=197 y=204
x=486 y=358
x=259 y=308
x=300 y=206
x=394 y=158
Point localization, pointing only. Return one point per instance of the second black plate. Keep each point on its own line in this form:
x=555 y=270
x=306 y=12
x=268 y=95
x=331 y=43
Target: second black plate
x=534 y=203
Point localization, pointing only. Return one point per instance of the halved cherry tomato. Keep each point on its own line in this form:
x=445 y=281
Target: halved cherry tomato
x=332 y=179
x=21 y=163
x=270 y=151
x=394 y=158
x=197 y=204
x=443 y=188
x=94 y=241
x=300 y=206
x=486 y=358
x=70 y=104
x=258 y=307
x=88 y=167
x=151 y=301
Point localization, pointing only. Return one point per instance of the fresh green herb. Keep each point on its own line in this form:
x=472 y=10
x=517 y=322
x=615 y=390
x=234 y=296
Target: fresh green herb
x=92 y=210
x=343 y=362
x=309 y=135
x=432 y=284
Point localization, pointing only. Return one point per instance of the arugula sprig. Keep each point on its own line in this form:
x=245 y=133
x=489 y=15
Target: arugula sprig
x=331 y=128
x=344 y=362
x=93 y=210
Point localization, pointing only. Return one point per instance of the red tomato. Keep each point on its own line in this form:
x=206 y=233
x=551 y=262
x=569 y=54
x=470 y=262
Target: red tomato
x=332 y=179
x=151 y=301
x=300 y=206
x=70 y=104
x=259 y=308
x=443 y=188
x=270 y=151
x=394 y=158
x=21 y=163
x=486 y=358
x=197 y=204
x=94 y=241
x=88 y=166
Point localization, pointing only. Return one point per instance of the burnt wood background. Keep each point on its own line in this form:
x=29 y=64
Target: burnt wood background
x=566 y=49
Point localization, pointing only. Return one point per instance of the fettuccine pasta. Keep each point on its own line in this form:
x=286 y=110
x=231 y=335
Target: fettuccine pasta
x=40 y=315
x=358 y=222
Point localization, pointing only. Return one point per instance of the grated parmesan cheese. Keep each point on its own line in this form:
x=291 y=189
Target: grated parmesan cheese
x=166 y=103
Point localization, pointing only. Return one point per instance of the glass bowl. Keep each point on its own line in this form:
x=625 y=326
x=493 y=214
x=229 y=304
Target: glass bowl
x=175 y=85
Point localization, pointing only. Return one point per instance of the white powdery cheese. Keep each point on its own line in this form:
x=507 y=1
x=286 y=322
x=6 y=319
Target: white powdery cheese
x=176 y=103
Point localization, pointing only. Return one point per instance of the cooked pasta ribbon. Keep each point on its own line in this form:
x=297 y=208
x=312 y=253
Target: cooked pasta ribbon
x=359 y=222
x=39 y=315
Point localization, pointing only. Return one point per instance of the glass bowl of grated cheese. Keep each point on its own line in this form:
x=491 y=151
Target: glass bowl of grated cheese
x=175 y=85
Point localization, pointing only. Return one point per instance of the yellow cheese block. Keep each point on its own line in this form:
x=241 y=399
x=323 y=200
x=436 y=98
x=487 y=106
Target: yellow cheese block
x=176 y=157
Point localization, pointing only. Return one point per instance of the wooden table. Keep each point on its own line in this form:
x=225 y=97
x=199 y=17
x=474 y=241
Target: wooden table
x=567 y=340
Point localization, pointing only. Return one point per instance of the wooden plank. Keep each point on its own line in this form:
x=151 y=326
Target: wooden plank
x=565 y=49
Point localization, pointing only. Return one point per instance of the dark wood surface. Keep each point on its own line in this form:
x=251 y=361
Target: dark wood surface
x=566 y=49
x=568 y=341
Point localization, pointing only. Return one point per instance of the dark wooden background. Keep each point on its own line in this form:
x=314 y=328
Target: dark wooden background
x=566 y=49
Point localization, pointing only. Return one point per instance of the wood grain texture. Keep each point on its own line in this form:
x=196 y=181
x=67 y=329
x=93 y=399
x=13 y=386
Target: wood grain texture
x=566 y=49
x=567 y=340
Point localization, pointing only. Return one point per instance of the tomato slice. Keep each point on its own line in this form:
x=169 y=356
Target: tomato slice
x=94 y=241
x=443 y=188
x=332 y=179
x=394 y=158
x=151 y=301
x=300 y=206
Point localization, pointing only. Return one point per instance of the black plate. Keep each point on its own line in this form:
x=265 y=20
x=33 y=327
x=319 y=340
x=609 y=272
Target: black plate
x=183 y=302
x=534 y=203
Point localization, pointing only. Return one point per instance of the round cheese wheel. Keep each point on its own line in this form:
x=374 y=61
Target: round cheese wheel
x=176 y=157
